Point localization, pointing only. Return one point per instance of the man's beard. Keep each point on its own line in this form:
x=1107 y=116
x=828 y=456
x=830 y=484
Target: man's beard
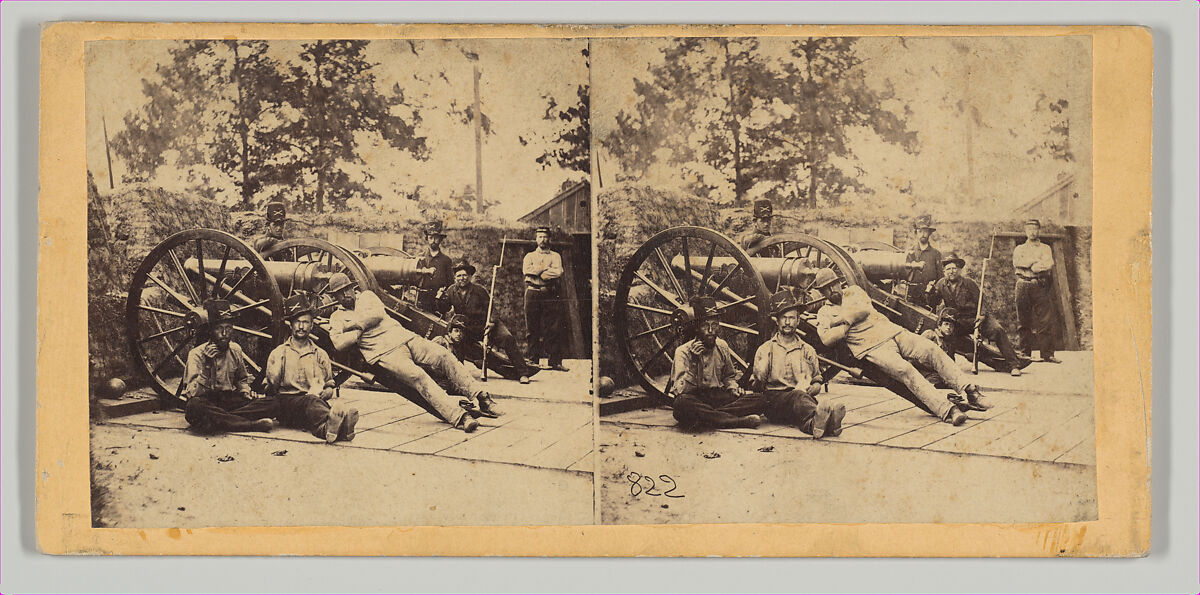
x=708 y=340
x=835 y=299
x=786 y=332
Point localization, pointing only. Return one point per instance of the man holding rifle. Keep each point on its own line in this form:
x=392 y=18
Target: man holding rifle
x=471 y=301
x=961 y=294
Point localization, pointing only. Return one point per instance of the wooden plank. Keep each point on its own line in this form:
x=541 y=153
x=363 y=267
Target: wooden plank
x=444 y=439
x=391 y=435
x=1083 y=453
x=1009 y=444
x=1059 y=440
x=1062 y=291
x=571 y=305
x=584 y=464
x=524 y=450
x=386 y=416
x=929 y=434
x=975 y=438
x=867 y=433
x=566 y=451
x=488 y=446
x=876 y=411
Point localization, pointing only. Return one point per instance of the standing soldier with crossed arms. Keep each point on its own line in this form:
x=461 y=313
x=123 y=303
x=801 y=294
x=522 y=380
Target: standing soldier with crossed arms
x=543 y=313
x=1033 y=261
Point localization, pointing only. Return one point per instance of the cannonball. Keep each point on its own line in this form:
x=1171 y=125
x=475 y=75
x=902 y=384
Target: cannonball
x=115 y=387
x=606 y=386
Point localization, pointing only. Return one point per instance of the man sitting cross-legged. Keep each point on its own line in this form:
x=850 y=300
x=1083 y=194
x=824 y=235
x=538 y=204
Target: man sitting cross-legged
x=789 y=370
x=300 y=376
x=704 y=379
x=850 y=317
x=217 y=383
x=362 y=321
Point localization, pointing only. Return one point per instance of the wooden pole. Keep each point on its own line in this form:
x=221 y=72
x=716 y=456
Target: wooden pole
x=478 y=145
x=107 y=152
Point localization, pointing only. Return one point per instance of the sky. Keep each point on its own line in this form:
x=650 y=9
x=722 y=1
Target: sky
x=515 y=76
x=1000 y=76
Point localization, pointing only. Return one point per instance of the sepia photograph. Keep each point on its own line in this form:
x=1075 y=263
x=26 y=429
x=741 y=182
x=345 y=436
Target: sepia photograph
x=845 y=279
x=339 y=282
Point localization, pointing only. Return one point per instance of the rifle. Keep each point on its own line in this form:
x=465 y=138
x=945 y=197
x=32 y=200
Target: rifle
x=979 y=308
x=491 y=300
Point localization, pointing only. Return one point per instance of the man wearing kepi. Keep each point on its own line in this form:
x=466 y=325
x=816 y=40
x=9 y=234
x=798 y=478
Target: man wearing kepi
x=704 y=379
x=1033 y=262
x=789 y=370
x=543 y=312
x=761 y=231
x=961 y=294
x=217 y=383
x=850 y=317
x=300 y=376
x=361 y=320
x=437 y=260
x=467 y=299
x=931 y=263
x=276 y=219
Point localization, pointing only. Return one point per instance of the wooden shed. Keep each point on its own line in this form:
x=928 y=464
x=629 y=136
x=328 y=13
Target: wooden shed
x=569 y=210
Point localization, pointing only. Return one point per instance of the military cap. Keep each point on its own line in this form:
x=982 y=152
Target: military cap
x=704 y=308
x=947 y=314
x=952 y=257
x=276 y=211
x=219 y=311
x=924 y=222
x=296 y=305
x=434 y=228
x=1033 y=222
x=542 y=229
x=464 y=265
x=763 y=208
x=338 y=282
x=782 y=301
x=823 y=278
x=458 y=321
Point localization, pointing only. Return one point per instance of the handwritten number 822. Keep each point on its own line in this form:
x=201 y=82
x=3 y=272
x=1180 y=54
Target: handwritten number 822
x=644 y=484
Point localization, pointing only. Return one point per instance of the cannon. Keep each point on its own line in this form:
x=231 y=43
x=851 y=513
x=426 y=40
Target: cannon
x=652 y=315
x=165 y=316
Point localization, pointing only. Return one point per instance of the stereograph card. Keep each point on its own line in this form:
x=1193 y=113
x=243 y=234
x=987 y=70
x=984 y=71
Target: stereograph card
x=546 y=290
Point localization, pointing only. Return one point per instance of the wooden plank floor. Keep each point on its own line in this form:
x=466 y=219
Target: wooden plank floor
x=1044 y=415
x=547 y=424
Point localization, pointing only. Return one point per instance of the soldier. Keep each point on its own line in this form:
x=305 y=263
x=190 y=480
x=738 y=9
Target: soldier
x=362 y=320
x=470 y=300
x=850 y=318
x=704 y=379
x=1033 y=262
x=931 y=263
x=543 y=312
x=790 y=373
x=437 y=260
x=962 y=295
x=217 y=383
x=300 y=376
x=763 y=213
x=944 y=337
x=276 y=219
x=455 y=339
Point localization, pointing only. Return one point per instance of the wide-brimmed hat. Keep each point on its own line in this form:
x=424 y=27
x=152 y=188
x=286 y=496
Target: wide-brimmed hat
x=276 y=211
x=924 y=222
x=338 y=282
x=457 y=321
x=823 y=278
x=763 y=208
x=464 y=265
x=219 y=311
x=784 y=300
x=704 y=308
x=296 y=305
x=434 y=228
x=953 y=257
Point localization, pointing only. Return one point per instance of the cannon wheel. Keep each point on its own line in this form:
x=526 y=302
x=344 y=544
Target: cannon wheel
x=653 y=316
x=165 y=315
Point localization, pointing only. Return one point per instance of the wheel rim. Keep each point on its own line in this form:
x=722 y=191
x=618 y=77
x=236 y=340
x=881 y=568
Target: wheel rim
x=165 y=314
x=652 y=311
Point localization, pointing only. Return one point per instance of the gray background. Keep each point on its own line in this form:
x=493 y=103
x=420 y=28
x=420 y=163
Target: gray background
x=1171 y=566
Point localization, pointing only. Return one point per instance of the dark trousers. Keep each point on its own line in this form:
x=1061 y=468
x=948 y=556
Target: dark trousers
x=1035 y=317
x=304 y=412
x=502 y=339
x=543 y=319
x=715 y=407
x=227 y=411
x=792 y=407
x=992 y=331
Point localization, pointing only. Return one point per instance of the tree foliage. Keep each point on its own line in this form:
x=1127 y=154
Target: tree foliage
x=570 y=148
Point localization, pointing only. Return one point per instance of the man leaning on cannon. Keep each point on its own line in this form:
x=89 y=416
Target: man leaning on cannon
x=790 y=374
x=704 y=378
x=217 y=383
x=849 y=317
x=300 y=376
x=362 y=321
x=961 y=294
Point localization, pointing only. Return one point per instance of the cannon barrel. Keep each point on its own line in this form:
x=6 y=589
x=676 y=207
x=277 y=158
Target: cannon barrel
x=396 y=270
x=313 y=275
x=798 y=271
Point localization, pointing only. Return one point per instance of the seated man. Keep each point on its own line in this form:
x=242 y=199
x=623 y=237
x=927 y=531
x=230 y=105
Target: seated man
x=788 y=369
x=362 y=320
x=467 y=299
x=849 y=317
x=300 y=376
x=955 y=291
x=704 y=379
x=455 y=339
x=217 y=383
x=945 y=338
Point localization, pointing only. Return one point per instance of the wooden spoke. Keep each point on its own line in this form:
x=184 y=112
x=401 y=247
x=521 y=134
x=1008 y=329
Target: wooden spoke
x=221 y=271
x=737 y=358
x=662 y=260
x=637 y=306
x=737 y=302
x=252 y=332
x=171 y=292
x=187 y=283
x=740 y=329
x=652 y=331
x=712 y=251
x=202 y=290
x=174 y=354
x=250 y=306
x=169 y=331
x=687 y=265
x=162 y=311
x=728 y=276
x=662 y=350
x=238 y=283
x=250 y=362
x=675 y=301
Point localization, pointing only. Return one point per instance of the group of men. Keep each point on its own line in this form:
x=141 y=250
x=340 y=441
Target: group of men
x=706 y=385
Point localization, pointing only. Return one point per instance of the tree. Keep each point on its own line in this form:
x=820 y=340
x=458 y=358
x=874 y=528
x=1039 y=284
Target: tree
x=570 y=147
x=1055 y=128
x=212 y=103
